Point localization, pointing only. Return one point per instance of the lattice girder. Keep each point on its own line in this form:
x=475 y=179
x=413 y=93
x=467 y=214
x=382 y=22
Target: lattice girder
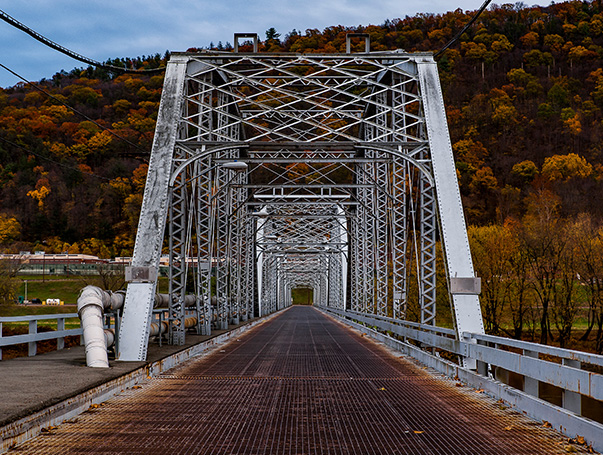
x=348 y=169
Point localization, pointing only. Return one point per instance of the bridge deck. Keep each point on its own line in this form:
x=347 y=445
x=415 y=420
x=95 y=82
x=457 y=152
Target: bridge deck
x=299 y=384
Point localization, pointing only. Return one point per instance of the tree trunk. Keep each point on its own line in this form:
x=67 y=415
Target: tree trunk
x=591 y=324
x=599 y=338
x=544 y=329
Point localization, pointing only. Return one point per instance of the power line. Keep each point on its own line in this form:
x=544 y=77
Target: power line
x=73 y=168
x=40 y=89
x=459 y=34
x=57 y=47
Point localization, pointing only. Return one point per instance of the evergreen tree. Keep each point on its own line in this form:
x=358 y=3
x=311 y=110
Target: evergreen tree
x=271 y=34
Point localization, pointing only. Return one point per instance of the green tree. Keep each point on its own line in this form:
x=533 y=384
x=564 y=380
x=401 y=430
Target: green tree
x=10 y=228
x=492 y=248
x=9 y=267
x=587 y=241
x=526 y=171
x=271 y=34
x=565 y=304
x=542 y=238
x=566 y=167
x=520 y=302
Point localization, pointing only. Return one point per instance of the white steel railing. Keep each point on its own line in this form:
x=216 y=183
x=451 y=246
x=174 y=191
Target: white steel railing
x=576 y=373
x=33 y=336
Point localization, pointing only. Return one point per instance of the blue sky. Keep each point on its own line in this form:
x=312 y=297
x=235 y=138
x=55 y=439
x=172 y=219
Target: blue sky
x=102 y=29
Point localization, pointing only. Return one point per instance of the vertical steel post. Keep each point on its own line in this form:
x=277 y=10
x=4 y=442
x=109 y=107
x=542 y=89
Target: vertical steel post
x=466 y=305
x=140 y=294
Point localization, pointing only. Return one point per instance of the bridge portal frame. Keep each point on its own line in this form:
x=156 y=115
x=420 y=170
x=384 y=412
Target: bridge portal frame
x=377 y=116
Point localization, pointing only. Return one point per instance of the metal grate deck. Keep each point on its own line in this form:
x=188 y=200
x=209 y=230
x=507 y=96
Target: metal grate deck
x=300 y=384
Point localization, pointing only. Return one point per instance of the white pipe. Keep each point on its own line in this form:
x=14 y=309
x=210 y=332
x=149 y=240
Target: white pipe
x=158 y=329
x=109 y=337
x=90 y=306
x=155 y=330
x=117 y=299
x=190 y=322
x=92 y=303
x=162 y=301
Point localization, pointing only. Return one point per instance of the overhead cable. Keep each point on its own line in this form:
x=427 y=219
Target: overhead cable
x=464 y=29
x=40 y=89
x=57 y=47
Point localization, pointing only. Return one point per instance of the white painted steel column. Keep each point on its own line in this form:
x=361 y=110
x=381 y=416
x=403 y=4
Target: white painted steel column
x=260 y=265
x=135 y=324
x=467 y=310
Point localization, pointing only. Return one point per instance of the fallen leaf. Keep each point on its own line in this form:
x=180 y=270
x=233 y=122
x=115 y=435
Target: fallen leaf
x=570 y=448
x=577 y=440
x=382 y=388
x=418 y=431
x=459 y=384
x=137 y=387
x=508 y=428
x=546 y=424
x=479 y=391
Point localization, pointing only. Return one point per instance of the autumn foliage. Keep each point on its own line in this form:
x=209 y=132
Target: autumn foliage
x=524 y=95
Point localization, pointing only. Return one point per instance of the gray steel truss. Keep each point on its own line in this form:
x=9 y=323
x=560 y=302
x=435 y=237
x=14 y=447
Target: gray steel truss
x=276 y=172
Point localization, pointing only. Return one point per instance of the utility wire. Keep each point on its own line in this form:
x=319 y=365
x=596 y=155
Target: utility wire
x=73 y=168
x=40 y=89
x=57 y=47
x=458 y=35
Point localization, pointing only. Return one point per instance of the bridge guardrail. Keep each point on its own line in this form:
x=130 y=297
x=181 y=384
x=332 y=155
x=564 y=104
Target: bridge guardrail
x=437 y=337
x=531 y=360
x=567 y=375
x=487 y=350
x=34 y=336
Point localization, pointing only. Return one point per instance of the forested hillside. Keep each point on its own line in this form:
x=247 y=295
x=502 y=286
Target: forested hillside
x=524 y=92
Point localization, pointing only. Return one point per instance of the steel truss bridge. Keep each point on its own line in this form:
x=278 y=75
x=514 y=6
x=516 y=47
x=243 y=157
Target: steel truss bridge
x=275 y=172
x=330 y=172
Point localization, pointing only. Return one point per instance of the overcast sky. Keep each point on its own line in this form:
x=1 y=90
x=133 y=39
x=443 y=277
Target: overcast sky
x=102 y=29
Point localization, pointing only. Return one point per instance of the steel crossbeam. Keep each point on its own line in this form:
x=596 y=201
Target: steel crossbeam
x=326 y=172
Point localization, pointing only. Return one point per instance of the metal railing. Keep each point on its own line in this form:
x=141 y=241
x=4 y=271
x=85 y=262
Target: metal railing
x=576 y=373
x=568 y=375
x=33 y=336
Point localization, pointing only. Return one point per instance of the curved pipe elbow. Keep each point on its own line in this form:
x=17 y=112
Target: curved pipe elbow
x=90 y=307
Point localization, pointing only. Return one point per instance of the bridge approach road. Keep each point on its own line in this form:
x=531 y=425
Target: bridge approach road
x=300 y=383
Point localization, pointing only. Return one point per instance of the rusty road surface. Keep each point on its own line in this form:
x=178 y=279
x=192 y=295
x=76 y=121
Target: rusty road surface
x=299 y=384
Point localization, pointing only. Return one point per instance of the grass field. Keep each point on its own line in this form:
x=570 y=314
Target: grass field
x=64 y=287
x=66 y=290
